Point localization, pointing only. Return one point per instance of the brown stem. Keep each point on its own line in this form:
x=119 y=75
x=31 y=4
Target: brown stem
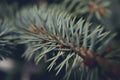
x=80 y=51
x=67 y=43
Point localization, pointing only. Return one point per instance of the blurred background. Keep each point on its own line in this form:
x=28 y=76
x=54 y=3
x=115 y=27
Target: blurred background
x=15 y=67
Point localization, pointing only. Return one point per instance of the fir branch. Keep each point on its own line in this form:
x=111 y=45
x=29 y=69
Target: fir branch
x=98 y=8
x=52 y=31
x=6 y=35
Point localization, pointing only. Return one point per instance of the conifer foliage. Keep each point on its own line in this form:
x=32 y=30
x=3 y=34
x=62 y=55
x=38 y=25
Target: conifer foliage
x=65 y=42
x=6 y=30
x=93 y=8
